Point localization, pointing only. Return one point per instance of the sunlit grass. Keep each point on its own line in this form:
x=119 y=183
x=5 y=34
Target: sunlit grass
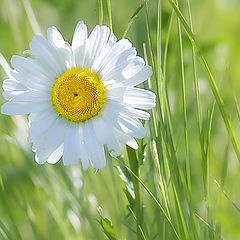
x=183 y=182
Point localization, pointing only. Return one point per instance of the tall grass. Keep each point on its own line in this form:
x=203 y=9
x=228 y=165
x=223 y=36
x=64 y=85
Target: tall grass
x=182 y=182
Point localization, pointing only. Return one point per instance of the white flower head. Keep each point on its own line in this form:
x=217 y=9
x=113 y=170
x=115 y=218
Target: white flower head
x=79 y=97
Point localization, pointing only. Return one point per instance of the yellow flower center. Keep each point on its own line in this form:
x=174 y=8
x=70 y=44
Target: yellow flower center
x=78 y=95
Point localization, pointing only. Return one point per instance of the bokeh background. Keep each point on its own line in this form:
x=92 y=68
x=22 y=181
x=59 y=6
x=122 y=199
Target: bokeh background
x=58 y=202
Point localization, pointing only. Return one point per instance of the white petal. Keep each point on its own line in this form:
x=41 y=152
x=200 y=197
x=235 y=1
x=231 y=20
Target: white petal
x=103 y=48
x=110 y=59
x=97 y=46
x=125 y=70
x=55 y=37
x=33 y=116
x=134 y=97
x=13 y=84
x=30 y=81
x=79 y=44
x=28 y=65
x=114 y=106
x=101 y=45
x=130 y=126
x=135 y=113
x=133 y=67
x=63 y=48
x=112 y=40
x=20 y=108
x=29 y=73
x=92 y=44
x=41 y=123
x=114 y=68
x=50 y=141
x=141 y=76
x=122 y=122
x=54 y=60
x=71 y=151
x=105 y=135
x=94 y=149
x=80 y=35
x=132 y=143
x=83 y=151
x=126 y=139
x=56 y=155
x=27 y=95
x=39 y=159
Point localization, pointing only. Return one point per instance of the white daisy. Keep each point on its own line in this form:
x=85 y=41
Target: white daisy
x=79 y=97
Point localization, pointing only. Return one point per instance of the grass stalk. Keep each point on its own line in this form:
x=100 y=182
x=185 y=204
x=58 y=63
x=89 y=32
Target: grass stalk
x=154 y=199
x=188 y=170
x=231 y=132
x=134 y=165
x=100 y=12
x=139 y=227
x=31 y=16
x=109 y=12
x=166 y=106
x=133 y=17
x=5 y=65
x=198 y=110
x=159 y=54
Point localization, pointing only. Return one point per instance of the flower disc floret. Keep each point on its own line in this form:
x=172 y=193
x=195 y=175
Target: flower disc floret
x=78 y=95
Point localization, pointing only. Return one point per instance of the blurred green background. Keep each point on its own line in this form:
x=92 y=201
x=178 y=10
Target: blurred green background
x=57 y=202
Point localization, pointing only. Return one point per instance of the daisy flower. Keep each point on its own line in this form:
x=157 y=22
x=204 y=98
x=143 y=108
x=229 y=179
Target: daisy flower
x=79 y=97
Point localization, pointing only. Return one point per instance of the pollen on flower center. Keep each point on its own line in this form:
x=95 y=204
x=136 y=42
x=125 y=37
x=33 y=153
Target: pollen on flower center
x=78 y=95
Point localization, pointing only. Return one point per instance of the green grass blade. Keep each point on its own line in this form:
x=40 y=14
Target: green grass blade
x=31 y=16
x=159 y=54
x=188 y=170
x=140 y=229
x=152 y=63
x=134 y=164
x=5 y=65
x=100 y=12
x=6 y=231
x=133 y=17
x=107 y=226
x=237 y=107
x=231 y=132
x=166 y=105
x=109 y=12
x=154 y=199
x=226 y=195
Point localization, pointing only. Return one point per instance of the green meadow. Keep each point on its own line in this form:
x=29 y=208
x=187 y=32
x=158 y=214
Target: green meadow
x=183 y=182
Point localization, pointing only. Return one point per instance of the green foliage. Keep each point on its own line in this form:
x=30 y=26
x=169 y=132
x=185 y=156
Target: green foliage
x=107 y=226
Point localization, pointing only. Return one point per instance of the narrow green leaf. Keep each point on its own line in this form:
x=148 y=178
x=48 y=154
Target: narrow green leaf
x=134 y=164
x=212 y=82
x=226 y=195
x=5 y=65
x=31 y=16
x=107 y=226
x=184 y=103
x=133 y=17
x=6 y=231
x=154 y=199
x=109 y=12
x=100 y=12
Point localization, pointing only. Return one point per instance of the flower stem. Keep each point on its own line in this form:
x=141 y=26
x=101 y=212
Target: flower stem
x=134 y=165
